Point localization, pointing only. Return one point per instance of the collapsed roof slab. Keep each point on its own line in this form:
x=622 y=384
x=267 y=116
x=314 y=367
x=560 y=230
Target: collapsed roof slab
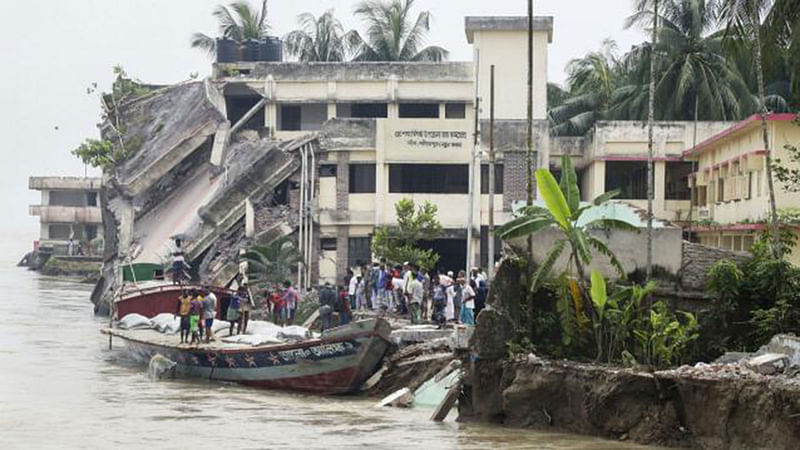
x=254 y=168
x=163 y=128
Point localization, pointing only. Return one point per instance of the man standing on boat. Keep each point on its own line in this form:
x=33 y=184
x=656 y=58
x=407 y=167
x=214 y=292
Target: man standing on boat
x=209 y=312
x=290 y=299
x=327 y=303
x=182 y=310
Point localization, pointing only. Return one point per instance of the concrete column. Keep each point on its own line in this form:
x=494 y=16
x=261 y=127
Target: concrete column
x=271 y=117
x=442 y=110
x=342 y=238
x=342 y=180
x=599 y=179
x=393 y=110
x=331 y=110
x=249 y=219
x=660 y=179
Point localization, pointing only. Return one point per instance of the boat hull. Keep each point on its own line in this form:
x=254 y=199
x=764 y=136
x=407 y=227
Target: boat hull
x=338 y=363
x=152 y=301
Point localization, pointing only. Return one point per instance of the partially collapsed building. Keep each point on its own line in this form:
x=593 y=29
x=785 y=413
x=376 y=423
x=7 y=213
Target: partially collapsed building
x=322 y=152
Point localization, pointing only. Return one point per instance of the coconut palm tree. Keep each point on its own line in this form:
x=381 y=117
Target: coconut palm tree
x=742 y=19
x=692 y=67
x=319 y=39
x=392 y=34
x=591 y=84
x=272 y=263
x=238 y=21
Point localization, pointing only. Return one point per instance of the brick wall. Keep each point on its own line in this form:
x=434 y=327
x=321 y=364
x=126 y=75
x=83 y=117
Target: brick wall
x=342 y=240
x=342 y=180
x=698 y=259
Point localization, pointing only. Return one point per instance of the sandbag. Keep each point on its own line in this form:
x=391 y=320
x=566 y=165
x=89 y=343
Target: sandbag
x=293 y=332
x=134 y=321
x=166 y=323
x=263 y=328
x=220 y=325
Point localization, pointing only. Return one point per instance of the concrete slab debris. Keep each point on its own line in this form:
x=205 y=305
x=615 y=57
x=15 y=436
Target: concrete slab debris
x=401 y=398
x=768 y=364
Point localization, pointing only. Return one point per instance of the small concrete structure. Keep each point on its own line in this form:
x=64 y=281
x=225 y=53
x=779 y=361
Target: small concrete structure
x=69 y=211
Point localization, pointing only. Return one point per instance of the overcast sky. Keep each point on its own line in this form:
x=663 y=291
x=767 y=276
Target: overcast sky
x=52 y=50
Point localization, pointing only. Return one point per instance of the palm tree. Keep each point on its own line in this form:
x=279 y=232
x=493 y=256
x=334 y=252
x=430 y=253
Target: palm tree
x=318 y=39
x=692 y=68
x=272 y=263
x=591 y=84
x=238 y=21
x=742 y=19
x=391 y=33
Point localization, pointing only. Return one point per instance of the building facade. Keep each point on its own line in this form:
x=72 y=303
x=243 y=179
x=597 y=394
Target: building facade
x=69 y=210
x=391 y=130
x=732 y=200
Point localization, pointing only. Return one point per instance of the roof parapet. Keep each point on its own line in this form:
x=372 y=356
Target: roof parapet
x=507 y=23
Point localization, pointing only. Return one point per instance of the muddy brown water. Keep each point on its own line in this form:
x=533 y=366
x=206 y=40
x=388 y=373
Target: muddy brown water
x=60 y=387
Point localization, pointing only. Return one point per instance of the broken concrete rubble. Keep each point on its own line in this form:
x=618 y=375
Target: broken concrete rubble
x=768 y=363
x=190 y=175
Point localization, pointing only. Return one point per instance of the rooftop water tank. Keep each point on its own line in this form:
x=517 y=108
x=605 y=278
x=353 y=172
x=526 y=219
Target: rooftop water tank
x=227 y=50
x=271 y=49
x=251 y=50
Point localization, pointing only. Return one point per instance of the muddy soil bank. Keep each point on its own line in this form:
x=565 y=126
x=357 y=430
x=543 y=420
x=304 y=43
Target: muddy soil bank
x=678 y=408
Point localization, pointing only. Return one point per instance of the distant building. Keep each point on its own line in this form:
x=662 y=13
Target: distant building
x=69 y=210
x=732 y=194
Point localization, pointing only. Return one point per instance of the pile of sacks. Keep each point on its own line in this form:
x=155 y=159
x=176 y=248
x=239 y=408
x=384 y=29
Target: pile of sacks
x=165 y=323
x=259 y=332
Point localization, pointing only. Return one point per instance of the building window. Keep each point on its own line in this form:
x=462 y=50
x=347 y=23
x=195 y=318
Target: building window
x=90 y=232
x=358 y=251
x=327 y=170
x=419 y=110
x=720 y=190
x=327 y=244
x=59 y=231
x=91 y=199
x=455 y=110
x=676 y=182
x=428 y=178
x=290 y=118
x=362 y=110
x=630 y=177
x=362 y=178
x=498 y=178
x=238 y=105
x=67 y=198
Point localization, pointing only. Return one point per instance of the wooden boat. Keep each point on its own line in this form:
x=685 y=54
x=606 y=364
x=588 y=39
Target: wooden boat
x=151 y=299
x=338 y=362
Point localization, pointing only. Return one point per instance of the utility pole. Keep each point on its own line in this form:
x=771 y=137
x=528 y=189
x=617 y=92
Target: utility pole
x=650 y=119
x=529 y=158
x=471 y=165
x=490 y=269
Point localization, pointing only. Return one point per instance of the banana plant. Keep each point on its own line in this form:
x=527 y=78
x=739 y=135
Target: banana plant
x=564 y=212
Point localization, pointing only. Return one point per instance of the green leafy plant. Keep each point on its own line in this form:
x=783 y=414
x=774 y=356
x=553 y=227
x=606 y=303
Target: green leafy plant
x=273 y=263
x=399 y=243
x=664 y=339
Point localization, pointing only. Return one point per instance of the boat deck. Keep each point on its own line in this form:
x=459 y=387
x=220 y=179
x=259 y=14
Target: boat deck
x=153 y=337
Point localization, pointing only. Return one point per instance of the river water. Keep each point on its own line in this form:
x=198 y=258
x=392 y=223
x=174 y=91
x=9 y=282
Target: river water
x=60 y=387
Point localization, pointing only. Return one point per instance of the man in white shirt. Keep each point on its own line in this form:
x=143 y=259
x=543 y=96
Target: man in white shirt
x=467 y=302
x=415 y=297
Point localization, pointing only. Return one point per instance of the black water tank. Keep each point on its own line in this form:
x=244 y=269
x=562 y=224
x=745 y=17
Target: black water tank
x=227 y=50
x=251 y=50
x=271 y=49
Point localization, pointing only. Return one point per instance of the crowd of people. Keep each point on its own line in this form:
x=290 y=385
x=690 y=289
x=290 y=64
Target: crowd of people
x=407 y=290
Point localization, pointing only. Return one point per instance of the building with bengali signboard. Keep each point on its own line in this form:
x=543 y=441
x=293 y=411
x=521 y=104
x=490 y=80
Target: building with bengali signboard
x=404 y=130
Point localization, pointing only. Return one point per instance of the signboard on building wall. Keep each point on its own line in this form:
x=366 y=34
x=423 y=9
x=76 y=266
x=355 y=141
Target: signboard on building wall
x=432 y=139
x=426 y=140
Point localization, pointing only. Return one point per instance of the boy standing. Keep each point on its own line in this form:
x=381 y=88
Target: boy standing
x=182 y=310
x=194 y=317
